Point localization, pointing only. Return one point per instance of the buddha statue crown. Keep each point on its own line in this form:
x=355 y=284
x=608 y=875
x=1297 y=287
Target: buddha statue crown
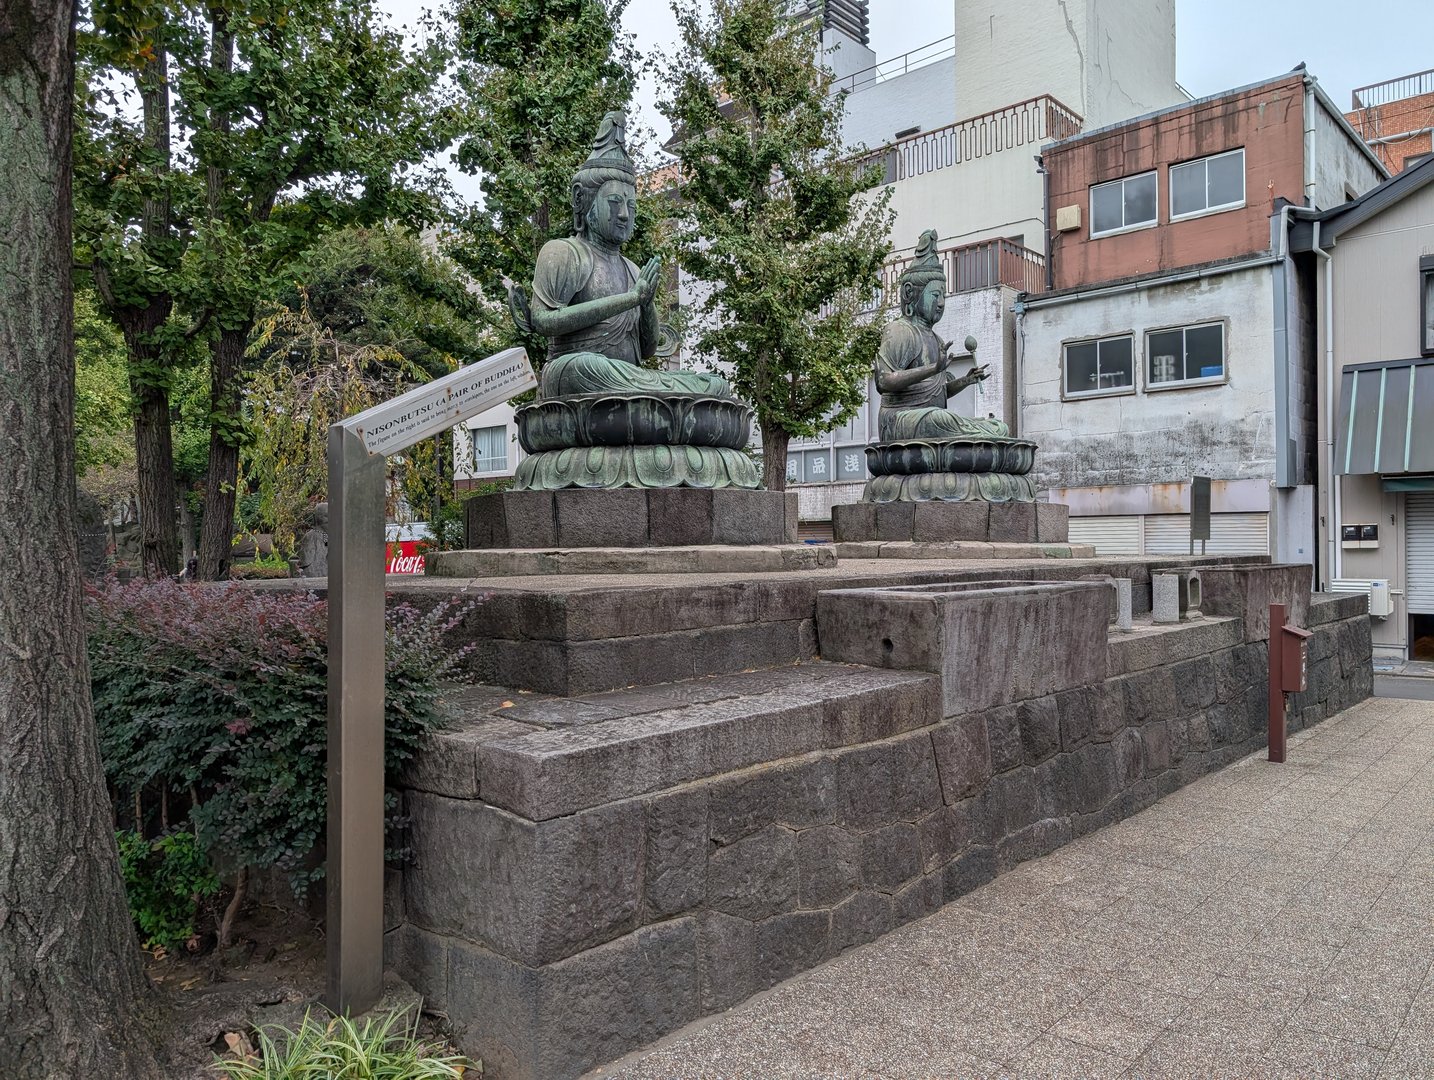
x=925 y=267
x=609 y=160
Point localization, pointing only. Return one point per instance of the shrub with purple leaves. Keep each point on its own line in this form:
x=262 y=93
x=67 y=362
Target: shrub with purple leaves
x=218 y=696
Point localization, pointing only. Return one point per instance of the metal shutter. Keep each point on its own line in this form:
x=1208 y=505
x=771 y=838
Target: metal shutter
x=1230 y=534
x=1110 y=535
x=1419 y=553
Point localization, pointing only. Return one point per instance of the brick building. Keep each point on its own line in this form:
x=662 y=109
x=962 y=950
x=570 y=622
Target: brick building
x=1396 y=118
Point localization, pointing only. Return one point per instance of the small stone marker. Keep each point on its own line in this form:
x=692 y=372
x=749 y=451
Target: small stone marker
x=1164 y=598
x=1122 y=602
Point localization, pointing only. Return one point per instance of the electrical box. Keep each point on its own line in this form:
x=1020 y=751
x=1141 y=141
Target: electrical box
x=1067 y=218
x=1380 y=605
x=1294 y=658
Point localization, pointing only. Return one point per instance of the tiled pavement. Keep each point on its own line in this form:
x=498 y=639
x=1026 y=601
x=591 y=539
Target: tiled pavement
x=1266 y=921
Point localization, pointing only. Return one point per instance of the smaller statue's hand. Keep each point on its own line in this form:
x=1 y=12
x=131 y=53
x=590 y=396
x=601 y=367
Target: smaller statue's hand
x=943 y=363
x=648 y=279
x=980 y=373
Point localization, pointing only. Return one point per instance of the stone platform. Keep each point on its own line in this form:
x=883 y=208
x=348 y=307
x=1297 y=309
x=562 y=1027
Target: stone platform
x=627 y=829
x=959 y=549
x=711 y=559
x=631 y=518
x=946 y=522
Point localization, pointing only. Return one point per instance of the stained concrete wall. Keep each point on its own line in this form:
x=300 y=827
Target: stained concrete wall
x=1224 y=431
x=1340 y=164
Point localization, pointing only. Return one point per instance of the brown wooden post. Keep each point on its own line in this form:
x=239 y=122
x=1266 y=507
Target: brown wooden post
x=1277 y=694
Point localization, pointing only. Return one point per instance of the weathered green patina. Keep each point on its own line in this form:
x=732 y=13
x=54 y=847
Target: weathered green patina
x=602 y=420
x=926 y=450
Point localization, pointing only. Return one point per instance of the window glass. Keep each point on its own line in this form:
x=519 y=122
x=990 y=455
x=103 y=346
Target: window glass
x=1187 y=188
x=1207 y=184
x=1140 y=199
x=1185 y=354
x=851 y=463
x=1105 y=208
x=490 y=449
x=1226 y=179
x=1093 y=367
x=1205 y=352
x=1166 y=352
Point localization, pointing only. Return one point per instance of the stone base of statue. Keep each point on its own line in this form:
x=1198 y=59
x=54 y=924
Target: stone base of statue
x=631 y=517
x=621 y=437
x=945 y=522
x=968 y=469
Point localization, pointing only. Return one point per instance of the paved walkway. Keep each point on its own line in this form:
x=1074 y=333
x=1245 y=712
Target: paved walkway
x=1265 y=921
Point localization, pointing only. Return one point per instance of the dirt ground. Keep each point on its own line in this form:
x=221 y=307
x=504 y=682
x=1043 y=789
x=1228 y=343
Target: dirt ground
x=271 y=975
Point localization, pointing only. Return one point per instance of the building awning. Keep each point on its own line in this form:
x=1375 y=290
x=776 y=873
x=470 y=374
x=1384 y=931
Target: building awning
x=1386 y=418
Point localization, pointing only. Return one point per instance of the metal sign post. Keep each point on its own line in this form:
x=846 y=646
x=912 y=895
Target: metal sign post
x=358 y=451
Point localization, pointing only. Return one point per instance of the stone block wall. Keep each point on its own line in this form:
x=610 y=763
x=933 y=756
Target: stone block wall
x=555 y=945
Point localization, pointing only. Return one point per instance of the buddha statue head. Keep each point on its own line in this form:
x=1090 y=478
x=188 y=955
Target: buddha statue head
x=605 y=188
x=922 y=285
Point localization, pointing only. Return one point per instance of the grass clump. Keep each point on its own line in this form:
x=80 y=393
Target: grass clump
x=337 y=1048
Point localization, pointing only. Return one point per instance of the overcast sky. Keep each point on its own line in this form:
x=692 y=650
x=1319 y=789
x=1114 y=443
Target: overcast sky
x=1220 y=44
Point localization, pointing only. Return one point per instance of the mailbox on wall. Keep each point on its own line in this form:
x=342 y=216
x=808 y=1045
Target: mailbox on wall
x=1294 y=659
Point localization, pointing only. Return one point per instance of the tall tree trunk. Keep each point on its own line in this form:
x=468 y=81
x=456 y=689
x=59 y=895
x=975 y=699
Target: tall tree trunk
x=70 y=979
x=145 y=357
x=774 y=458
x=154 y=468
x=216 y=533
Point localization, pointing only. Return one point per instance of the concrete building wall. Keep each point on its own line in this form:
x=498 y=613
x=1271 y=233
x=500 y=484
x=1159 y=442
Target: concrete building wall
x=1266 y=121
x=996 y=195
x=922 y=99
x=1153 y=437
x=1375 y=317
x=1340 y=167
x=1106 y=59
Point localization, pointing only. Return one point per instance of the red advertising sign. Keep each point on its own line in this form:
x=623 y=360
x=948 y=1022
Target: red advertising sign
x=403 y=557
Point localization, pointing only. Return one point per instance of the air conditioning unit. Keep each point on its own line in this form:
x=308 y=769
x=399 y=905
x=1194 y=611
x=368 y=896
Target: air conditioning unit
x=1380 y=606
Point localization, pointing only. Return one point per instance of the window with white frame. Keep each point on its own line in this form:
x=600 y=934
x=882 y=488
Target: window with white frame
x=1211 y=183
x=1185 y=354
x=490 y=449
x=1426 y=305
x=1123 y=204
x=1102 y=366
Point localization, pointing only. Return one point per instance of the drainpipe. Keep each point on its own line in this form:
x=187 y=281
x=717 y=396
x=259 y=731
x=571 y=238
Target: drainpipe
x=1046 y=222
x=1334 y=553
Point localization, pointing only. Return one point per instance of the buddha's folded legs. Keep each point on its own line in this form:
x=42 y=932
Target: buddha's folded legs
x=936 y=424
x=593 y=373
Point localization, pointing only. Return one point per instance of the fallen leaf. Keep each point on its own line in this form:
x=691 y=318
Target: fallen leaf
x=506 y=705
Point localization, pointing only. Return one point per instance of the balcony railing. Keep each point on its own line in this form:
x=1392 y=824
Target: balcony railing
x=1406 y=86
x=980 y=266
x=1026 y=123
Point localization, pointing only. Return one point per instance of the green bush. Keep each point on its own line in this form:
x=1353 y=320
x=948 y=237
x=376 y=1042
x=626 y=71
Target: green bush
x=165 y=879
x=219 y=695
x=378 y=1050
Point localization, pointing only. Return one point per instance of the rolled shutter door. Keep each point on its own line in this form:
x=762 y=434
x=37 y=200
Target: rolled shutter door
x=1419 y=553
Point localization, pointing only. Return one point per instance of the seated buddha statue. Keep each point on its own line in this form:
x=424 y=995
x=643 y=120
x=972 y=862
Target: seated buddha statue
x=591 y=302
x=602 y=419
x=912 y=362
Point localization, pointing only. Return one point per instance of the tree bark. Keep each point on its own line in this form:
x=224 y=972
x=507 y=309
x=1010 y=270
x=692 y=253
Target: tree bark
x=70 y=979
x=774 y=458
x=216 y=533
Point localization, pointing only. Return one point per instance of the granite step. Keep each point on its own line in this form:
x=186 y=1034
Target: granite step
x=541 y=757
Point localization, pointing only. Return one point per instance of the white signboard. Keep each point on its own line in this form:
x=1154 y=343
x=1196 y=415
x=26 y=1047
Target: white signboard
x=439 y=405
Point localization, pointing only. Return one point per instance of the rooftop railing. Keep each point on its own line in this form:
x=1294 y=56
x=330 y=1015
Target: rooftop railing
x=897 y=66
x=1026 y=123
x=1382 y=93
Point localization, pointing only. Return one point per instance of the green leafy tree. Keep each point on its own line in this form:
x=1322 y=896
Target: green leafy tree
x=537 y=77
x=132 y=206
x=305 y=117
x=774 y=219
